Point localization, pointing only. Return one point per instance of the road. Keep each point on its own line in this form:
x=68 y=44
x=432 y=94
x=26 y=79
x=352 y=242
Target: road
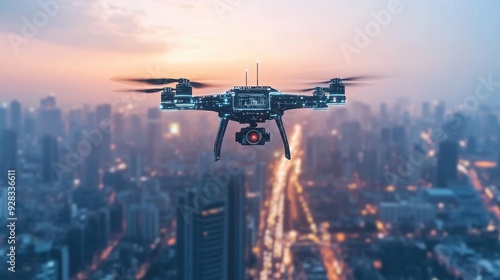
x=285 y=210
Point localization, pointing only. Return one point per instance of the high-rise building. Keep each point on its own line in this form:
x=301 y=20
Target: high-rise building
x=154 y=135
x=91 y=167
x=385 y=135
x=439 y=113
x=498 y=148
x=211 y=234
x=426 y=110
x=8 y=150
x=383 y=112
x=49 y=157
x=135 y=165
x=447 y=163
x=103 y=115
x=368 y=166
x=49 y=118
x=3 y=201
x=29 y=125
x=119 y=130
x=135 y=130
x=205 y=164
x=351 y=134
x=3 y=117
x=399 y=137
x=75 y=121
x=15 y=116
x=315 y=151
x=143 y=222
x=260 y=178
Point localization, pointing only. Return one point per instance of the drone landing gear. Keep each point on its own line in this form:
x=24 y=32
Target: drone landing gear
x=224 y=120
x=281 y=128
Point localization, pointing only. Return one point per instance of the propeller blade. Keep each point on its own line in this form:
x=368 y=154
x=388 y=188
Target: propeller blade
x=202 y=85
x=305 y=89
x=351 y=84
x=358 y=78
x=318 y=82
x=150 y=81
x=148 y=90
x=349 y=79
x=300 y=89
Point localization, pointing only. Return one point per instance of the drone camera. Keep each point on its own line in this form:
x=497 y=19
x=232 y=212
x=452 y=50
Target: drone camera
x=253 y=136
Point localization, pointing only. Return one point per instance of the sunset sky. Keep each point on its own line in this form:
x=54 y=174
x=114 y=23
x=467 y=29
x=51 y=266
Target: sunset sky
x=429 y=49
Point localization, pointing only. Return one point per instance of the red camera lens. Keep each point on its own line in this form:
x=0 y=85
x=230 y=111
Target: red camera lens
x=253 y=137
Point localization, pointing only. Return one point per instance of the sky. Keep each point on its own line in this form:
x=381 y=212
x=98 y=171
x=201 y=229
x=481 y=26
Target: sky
x=425 y=50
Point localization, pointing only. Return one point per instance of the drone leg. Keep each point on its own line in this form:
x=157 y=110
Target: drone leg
x=220 y=136
x=281 y=128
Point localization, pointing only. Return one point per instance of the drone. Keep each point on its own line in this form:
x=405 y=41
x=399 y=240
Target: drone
x=246 y=104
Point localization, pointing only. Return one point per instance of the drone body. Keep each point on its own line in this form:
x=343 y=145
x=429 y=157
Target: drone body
x=247 y=105
x=251 y=105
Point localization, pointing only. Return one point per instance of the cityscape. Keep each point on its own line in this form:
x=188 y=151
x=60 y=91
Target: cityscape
x=249 y=140
x=373 y=191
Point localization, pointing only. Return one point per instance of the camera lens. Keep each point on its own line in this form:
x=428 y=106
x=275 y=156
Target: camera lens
x=253 y=136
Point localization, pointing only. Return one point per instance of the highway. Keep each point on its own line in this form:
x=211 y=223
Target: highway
x=284 y=212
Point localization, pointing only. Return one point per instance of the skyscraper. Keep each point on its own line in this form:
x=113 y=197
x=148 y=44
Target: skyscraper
x=91 y=169
x=154 y=135
x=447 y=163
x=439 y=113
x=49 y=118
x=15 y=116
x=8 y=150
x=3 y=118
x=49 y=156
x=103 y=115
x=399 y=137
x=143 y=222
x=135 y=165
x=119 y=130
x=383 y=112
x=351 y=134
x=211 y=231
x=426 y=111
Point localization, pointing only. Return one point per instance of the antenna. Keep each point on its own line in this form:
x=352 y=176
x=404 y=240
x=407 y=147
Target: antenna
x=257 y=73
x=246 y=77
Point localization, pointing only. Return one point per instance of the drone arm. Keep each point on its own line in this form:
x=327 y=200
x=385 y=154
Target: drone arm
x=224 y=120
x=289 y=101
x=281 y=128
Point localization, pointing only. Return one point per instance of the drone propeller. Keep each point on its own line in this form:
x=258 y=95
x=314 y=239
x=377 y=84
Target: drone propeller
x=348 y=79
x=325 y=89
x=163 y=81
x=148 y=90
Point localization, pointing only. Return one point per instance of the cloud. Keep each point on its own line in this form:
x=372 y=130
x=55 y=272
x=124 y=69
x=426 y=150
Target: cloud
x=92 y=24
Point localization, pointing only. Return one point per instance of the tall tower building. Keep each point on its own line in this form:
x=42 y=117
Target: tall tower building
x=154 y=135
x=3 y=118
x=211 y=232
x=205 y=164
x=8 y=150
x=447 y=163
x=119 y=130
x=49 y=157
x=384 y=116
x=426 y=111
x=103 y=115
x=49 y=118
x=439 y=113
x=135 y=165
x=15 y=116
x=399 y=137
x=143 y=222
x=91 y=170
